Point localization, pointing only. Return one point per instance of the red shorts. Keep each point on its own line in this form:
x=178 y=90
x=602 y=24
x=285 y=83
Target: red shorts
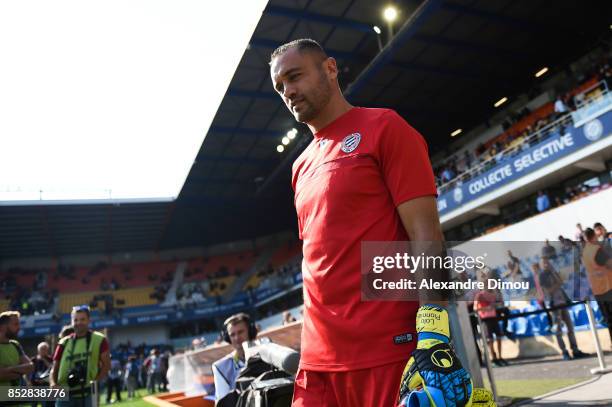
x=374 y=387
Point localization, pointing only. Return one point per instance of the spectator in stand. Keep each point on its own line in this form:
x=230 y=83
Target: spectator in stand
x=514 y=272
x=605 y=73
x=467 y=158
x=579 y=236
x=560 y=107
x=549 y=250
x=602 y=235
x=288 y=318
x=542 y=202
x=598 y=264
x=569 y=194
x=552 y=285
x=567 y=245
x=447 y=174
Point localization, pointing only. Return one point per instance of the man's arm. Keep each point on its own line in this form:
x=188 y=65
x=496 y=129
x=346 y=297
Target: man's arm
x=57 y=357
x=7 y=373
x=105 y=362
x=25 y=365
x=420 y=219
x=54 y=373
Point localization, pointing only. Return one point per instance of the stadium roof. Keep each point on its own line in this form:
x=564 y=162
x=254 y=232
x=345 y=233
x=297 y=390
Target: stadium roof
x=447 y=65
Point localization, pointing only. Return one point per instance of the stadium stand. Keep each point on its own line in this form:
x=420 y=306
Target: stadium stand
x=524 y=130
x=107 y=302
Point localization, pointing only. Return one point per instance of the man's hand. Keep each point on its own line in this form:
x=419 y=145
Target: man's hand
x=434 y=376
x=24 y=368
x=7 y=373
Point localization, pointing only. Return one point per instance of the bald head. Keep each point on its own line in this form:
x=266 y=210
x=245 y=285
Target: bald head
x=43 y=349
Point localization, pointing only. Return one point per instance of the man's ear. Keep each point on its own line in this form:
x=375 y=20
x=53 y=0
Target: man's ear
x=331 y=68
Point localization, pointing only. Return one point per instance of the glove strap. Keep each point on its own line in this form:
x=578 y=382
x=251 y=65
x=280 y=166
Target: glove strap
x=432 y=335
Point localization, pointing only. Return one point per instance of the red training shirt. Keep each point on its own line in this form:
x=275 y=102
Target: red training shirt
x=343 y=198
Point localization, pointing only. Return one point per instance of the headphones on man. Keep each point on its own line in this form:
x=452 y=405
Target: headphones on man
x=236 y=318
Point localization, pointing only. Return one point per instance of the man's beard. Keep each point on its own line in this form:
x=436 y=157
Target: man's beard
x=314 y=102
x=11 y=335
x=307 y=114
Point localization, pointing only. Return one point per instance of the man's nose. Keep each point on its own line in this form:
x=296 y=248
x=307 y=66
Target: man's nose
x=289 y=92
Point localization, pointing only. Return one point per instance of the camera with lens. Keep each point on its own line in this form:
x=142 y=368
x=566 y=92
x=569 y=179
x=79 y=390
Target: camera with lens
x=77 y=376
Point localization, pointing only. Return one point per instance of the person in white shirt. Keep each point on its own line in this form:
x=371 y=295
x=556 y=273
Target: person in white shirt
x=236 y=329
x=560 y=107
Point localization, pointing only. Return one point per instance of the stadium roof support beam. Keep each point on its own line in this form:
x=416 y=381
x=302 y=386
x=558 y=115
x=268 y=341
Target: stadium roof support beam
x=470 y=47
x=513 y=22
x=492 y=210
x=592 y=164
x=318 y=18
x=384 y=57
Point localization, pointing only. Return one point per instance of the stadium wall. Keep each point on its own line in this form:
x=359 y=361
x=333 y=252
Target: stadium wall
x=150 y=334
x=148 y=256
x=558 y=221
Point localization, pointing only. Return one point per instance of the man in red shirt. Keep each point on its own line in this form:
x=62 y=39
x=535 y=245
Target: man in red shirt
x=366 y=176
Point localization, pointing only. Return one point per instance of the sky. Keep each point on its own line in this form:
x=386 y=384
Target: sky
x=112 y=99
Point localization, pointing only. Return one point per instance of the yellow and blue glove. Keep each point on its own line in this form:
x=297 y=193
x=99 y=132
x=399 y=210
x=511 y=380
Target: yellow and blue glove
x=433 y=376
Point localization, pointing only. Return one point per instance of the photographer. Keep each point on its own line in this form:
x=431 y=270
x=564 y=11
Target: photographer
x=13 y=361
x=80 y=358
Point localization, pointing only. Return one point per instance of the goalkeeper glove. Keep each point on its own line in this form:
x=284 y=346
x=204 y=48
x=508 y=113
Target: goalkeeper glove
x=433 y=375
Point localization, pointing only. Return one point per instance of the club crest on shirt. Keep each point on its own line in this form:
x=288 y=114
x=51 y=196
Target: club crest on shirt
x=350 y=142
